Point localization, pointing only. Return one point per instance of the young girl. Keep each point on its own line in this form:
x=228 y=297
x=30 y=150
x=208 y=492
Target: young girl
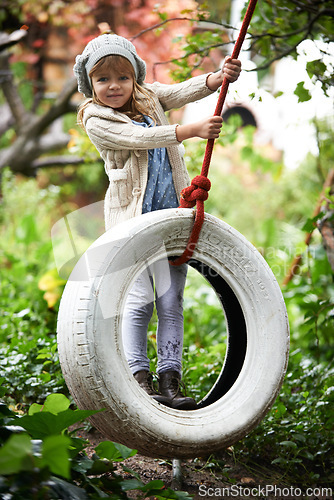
x=125 y=120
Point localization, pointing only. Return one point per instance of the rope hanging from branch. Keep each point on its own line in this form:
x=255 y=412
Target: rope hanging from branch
x=197 y=192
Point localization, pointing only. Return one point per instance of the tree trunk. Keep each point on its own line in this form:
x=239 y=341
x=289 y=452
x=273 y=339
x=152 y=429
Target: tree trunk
x=35 y=136
x=326 y=224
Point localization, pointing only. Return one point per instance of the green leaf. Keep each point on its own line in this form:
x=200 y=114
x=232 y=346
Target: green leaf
x=162 y=492
x=163 y=15
x=288 y=444
x=315 y=67
x=156 y=484
x=42 y=424
x=56 y=403
x=6 y=412
x=132 y=484
x=125 y=451
x=155 y=488
x=3 y=390
x=279 y=461
x=26 y=232
x=99 y=467
x=35 y=408
x=16 y=454
x=299 y=437
x=307 y=455
x=280 y=409
x=114 y=451
x=64 y=489
x=302 y=93
x=55 y=455
x=310 y=224
x=85 y=464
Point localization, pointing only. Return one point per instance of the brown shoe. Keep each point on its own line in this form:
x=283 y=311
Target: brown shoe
x=145 y=380
x=169 y=386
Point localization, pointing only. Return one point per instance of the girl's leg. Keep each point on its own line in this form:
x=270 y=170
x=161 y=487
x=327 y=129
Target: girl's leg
x=137 y=314
x=169 y=304
x=170 y=337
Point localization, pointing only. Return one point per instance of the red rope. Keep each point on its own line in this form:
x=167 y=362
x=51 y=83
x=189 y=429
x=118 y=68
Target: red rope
x=197 y=192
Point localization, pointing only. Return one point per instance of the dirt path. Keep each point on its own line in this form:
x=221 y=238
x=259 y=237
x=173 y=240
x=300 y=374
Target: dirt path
x=220 y=478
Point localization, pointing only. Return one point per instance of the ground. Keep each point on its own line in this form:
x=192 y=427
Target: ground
x=225 y=478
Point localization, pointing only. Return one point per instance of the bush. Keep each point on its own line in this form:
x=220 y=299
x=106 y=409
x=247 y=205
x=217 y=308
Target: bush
x=296 y=437
x=41 y=458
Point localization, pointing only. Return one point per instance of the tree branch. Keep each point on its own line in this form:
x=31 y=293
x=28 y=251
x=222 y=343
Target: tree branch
x=60 y=107
x=32 y=142
x=294 y=267
x=305 y=30
x=59 y=161
x=19 y=112
x=7 y=119
x=171 y=19
x=326 y=228
x=205 y=51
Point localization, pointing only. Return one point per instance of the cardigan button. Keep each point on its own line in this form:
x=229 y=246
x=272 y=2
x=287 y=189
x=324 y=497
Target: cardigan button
x=136 y=191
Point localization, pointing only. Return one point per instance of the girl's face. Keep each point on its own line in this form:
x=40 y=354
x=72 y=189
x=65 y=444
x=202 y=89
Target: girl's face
x=113 y=88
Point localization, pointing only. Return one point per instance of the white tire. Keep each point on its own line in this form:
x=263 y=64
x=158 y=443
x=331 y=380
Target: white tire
x=90 y=343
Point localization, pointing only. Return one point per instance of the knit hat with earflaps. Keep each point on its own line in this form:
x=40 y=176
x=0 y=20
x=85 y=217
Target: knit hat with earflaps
x=105 y=45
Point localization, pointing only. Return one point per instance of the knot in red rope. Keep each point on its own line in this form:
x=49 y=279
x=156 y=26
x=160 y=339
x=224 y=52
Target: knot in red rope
x=198 y=190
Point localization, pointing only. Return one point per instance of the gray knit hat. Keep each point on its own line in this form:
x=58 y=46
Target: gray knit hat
x=105 y=45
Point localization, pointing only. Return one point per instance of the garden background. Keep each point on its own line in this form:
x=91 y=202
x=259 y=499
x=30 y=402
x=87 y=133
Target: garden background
x=49 y=169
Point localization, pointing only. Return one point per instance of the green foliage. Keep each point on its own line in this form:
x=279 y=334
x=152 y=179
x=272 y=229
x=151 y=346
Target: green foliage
x=302 y=93
x=296 y=438
x=310 y=304
x=278 y=27
x=246 y=202
x=195 y=47
x=41 y=458
x=29 y=360
x=277 y=30
x=297 y=435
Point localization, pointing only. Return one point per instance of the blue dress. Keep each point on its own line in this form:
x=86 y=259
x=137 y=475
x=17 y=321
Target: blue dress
x=160 y=191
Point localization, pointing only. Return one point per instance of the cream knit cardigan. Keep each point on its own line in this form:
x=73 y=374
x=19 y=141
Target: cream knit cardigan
x=124 y=146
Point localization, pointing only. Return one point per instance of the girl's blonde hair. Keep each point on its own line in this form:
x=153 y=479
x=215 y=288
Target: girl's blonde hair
x=141 y=101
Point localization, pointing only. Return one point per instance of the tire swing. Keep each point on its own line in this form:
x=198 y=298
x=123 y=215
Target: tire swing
x=90 y=341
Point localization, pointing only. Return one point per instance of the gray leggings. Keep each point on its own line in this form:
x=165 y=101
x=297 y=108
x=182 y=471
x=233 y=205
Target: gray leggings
x=163 y=284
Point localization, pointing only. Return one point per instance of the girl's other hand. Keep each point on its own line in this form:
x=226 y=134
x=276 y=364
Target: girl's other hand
x=231 y=69
x=208 y=128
